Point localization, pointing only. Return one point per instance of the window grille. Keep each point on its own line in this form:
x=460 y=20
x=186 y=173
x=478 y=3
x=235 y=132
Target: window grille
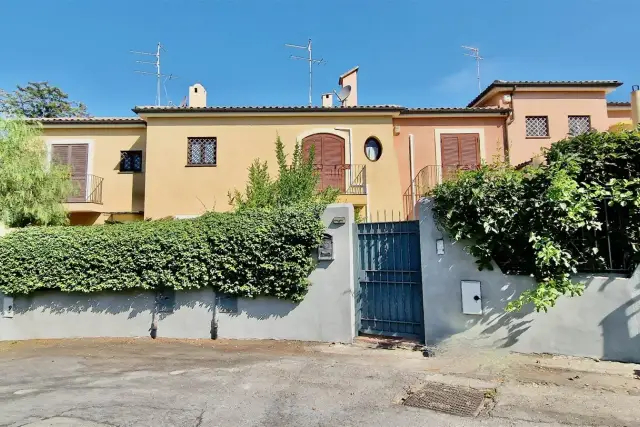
x=131 y=161
x=202 y=151
x=537 y=126
x=579 y=125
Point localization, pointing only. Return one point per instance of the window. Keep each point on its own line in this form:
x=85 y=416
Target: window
x=372 y=149
x=202 y=151
x=131 y=161
x=579 y=124
x=537 y=126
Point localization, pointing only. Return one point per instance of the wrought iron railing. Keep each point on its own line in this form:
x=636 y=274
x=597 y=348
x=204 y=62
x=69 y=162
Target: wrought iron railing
x=425 y=180
x=349 y=179
x=86 y=189
x=614 y=251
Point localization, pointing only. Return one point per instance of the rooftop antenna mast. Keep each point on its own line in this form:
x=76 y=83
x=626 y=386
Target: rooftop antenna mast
x=158 y=74
x=311 y=61
x=474 y=52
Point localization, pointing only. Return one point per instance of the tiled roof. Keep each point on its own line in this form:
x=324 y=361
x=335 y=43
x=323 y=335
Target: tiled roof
x=545 y=83
x=454 y=110
x=618 y=104
x=90 y=120
x=266 y=109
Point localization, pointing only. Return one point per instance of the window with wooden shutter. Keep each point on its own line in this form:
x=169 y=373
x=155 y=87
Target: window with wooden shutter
x=459 y=151
x=328 y=158
x=76 y=156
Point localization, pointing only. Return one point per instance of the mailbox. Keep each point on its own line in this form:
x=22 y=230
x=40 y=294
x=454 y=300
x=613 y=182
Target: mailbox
x=325 y=251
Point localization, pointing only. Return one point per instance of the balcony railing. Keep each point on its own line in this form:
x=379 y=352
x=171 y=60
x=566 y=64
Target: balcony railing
x=425 y=180
x=86 y=189
x=349 y=179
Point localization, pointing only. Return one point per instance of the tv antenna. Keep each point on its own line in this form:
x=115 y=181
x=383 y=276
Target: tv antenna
x=344 y=94
x=158 y=74
x=474 y=52
x=311 y=61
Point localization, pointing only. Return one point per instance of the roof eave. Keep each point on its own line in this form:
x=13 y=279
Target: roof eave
x=500 y=87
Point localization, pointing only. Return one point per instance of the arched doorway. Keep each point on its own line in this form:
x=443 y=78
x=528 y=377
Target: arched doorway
x=328 y=158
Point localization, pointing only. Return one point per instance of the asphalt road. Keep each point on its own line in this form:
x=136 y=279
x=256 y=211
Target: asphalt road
x=168 y=383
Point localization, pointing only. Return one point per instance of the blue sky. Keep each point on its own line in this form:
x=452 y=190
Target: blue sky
x=408 y=50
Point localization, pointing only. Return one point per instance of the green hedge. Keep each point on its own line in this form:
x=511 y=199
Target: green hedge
x=245 y=254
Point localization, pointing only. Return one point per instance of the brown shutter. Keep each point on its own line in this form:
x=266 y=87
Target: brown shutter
x=469 y=150
x=449 y=148
x=313 y=141
x=60 y=154
x=333 y=162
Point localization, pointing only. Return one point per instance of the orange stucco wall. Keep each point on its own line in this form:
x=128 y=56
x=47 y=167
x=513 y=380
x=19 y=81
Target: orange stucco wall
x=557 y=106
x=172 y=188
x=121 y=192
x=424 y=132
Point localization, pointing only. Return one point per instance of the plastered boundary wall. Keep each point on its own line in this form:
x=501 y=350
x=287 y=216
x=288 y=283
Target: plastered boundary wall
x=326 y=314
x=604 y=322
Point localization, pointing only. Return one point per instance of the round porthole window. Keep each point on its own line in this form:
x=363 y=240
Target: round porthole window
x=372 y=149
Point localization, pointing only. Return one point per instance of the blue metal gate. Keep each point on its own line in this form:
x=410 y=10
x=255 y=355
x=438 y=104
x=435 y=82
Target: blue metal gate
x=390 y=278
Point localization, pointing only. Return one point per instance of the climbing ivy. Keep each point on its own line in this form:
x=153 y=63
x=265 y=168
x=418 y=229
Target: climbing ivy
x=249 y=254
x=533 y=220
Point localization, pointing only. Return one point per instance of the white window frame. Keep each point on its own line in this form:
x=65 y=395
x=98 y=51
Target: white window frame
x=50 y=142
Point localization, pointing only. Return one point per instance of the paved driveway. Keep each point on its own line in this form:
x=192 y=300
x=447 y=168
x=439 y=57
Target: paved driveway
x=171 y=383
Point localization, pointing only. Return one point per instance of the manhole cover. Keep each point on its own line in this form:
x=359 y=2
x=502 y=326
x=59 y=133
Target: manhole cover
x=461 y=401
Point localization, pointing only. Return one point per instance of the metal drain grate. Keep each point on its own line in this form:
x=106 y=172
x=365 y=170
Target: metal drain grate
x=461 y=401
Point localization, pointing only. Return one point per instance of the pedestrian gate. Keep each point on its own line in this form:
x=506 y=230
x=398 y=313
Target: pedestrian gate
x=390 y=279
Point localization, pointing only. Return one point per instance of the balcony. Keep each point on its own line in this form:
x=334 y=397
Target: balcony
x=349 y=179
x=86 y=195
x=425 y=180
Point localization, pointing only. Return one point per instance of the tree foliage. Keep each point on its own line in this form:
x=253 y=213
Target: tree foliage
x=296 y=183
x=531 y=220
x=248 y=253
x=40 y=100
x=31 y=192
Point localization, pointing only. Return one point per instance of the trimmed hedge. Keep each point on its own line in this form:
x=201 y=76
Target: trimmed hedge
x=245 y=254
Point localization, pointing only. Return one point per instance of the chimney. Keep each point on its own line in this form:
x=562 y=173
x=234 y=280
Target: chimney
x=197 y=96
x=350 y=78
x=327 y=100
x=635 y=105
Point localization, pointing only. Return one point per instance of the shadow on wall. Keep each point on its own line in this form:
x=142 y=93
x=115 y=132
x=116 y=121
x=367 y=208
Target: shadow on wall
x=131 y=302
x=621 y=328
x=604 y=322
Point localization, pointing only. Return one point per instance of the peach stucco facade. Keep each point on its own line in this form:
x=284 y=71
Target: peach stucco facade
x=557 y=106
x=425 y=133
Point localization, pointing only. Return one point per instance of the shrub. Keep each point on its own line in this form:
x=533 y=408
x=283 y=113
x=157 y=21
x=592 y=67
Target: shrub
x=31 y=192
x=533 y=220
x=296 y=184
x=247 y=254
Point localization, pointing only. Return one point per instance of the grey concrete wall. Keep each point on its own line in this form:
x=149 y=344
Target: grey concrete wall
x=326 y=313
x=604 y=322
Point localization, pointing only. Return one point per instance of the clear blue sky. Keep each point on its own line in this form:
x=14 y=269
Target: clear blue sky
x=408 y=50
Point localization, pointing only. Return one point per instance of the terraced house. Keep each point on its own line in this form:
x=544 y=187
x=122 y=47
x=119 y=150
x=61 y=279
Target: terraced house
x=183 y=161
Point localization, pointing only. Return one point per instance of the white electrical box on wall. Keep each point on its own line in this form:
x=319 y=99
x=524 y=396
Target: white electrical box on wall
x=7 y=306
x=471 y=297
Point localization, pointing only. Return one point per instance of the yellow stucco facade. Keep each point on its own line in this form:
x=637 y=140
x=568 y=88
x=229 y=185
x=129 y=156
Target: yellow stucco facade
x=168 y=186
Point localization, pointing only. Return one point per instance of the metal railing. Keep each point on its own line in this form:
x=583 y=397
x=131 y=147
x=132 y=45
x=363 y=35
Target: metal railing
x=348 y=178
x=86 y=189
x=425 y=180
x=615 y=254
